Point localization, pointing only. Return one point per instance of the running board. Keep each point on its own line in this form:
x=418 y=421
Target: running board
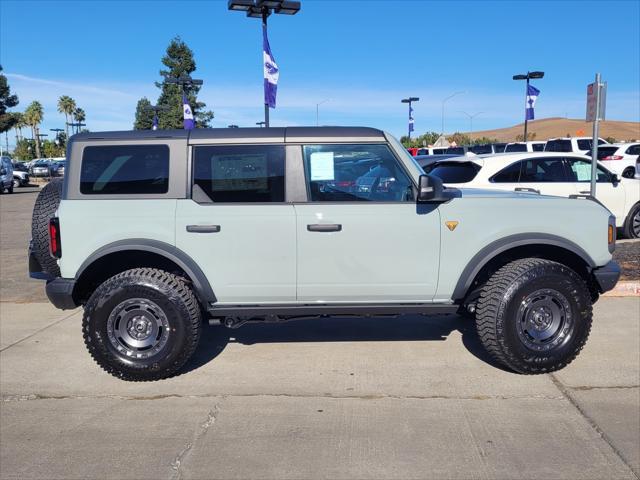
x=273 y=312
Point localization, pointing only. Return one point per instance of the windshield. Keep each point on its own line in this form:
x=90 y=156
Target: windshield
x=400 y=150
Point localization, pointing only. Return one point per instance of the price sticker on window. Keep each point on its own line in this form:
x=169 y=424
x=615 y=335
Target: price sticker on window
x=321 y=165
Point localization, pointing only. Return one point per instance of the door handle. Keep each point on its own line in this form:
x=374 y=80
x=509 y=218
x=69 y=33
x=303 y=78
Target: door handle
x=203 y=228
x=324 y=227
x=527 y=189
x=586 y=191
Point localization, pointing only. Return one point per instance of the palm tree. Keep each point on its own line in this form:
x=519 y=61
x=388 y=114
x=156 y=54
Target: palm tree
x=33 y=117
x=66 y=105
x=80 y=116
x=19 y=125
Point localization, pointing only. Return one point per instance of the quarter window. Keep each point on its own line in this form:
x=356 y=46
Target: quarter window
x=580 y=171
x=235 y=174
x=633 y=150
x=125 y=169
x=355 y=173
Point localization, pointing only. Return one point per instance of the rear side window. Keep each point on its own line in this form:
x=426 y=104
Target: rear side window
x=633 y=150
x=480 y=149
x=455 y=150
x=543 y=170
x=585 y=144
x=455 y=172
x=511 y=174
x=125 y=169
x=516 y=147
x=558 y=146
x=538 y=147
x=238 y=174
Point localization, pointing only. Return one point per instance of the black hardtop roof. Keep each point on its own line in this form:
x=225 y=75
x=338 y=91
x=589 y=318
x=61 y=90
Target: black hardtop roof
x=286 y=133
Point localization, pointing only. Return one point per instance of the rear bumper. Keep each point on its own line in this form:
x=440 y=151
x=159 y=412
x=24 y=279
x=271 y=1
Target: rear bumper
x=606 y=277
x=60 y=293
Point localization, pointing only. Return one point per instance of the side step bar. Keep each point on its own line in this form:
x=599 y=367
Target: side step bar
x=236 y=315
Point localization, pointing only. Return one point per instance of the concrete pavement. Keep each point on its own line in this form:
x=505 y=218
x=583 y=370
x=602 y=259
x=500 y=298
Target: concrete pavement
x=333 y=398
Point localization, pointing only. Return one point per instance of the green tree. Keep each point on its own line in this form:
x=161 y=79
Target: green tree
x=66 y=105
x=51 y=149
x=611 y=139
x=484 y=141
x=530 y=136
x=79 y=116
x=7 y=100
x=144 y=115
x=33 y=117
x=179 y=61
x=24 y=150
x=459 y=139
x=19 y=124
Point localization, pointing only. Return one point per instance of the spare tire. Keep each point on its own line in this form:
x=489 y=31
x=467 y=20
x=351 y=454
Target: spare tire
x=44 y=209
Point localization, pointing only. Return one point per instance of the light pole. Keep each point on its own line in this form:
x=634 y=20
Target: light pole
x=527 y=77
x=262 y=9
x=260 y=124
x=318 y=109
x=445 y=100
x=410 y=100
x=57 y=131
x=471 y=117
x=77 y=126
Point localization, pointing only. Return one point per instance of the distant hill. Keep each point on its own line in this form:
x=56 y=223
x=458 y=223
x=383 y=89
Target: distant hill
x=559 y=127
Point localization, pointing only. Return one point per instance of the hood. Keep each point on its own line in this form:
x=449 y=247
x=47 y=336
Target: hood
x=490 y=193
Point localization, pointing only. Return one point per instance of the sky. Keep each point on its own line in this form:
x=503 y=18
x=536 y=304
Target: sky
x=357 y=58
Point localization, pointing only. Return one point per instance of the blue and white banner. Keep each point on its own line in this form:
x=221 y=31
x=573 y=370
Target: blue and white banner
x=532 y=96
x=189 y=123
x=271 y=72
x=410 y=118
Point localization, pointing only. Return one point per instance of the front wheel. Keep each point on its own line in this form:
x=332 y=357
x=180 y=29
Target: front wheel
x=534 y=315
x=142 y=324
x=632 y=224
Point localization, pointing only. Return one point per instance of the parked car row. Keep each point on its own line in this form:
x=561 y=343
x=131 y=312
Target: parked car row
x=47 y=167
x=547 y=173
x=620 y=158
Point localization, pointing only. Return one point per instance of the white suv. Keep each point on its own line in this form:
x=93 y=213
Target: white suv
x=524 y=147
x=571 y=144
x=546 y=173
x=620 y=158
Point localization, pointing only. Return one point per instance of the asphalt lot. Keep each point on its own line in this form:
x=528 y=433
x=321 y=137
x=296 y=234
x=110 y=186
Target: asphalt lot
x=402 y=398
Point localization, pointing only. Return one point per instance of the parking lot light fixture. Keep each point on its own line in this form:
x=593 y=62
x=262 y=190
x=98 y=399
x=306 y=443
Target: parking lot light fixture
x=262 y=9
x=410 y=100
x=471 y=117
x=445 y=100
x=527 y=77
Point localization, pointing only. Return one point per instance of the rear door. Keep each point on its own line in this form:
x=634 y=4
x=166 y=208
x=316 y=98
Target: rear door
x=610 y=194
x=361 y=236
x=546 y=175
x=238 y=226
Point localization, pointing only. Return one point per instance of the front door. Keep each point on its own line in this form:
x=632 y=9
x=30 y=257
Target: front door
x=361 y=236
x=237 y=226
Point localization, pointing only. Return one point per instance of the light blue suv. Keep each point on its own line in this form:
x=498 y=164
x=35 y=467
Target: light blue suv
x=153 y=232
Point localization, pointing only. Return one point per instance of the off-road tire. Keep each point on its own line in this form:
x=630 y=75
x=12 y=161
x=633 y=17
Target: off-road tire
x=45 y=207
x=165 y=290
x=501 y=301
x=634 y=214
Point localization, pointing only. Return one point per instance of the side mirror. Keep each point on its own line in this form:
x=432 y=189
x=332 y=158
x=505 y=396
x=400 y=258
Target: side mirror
x=615 y=179
x=429 y=189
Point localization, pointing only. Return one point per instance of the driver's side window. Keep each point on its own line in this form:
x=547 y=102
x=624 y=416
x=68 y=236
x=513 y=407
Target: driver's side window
x=580 y=171
x=355 y=173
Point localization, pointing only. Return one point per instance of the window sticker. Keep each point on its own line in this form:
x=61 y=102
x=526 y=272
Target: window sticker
x=583 y=171
x=322 y=166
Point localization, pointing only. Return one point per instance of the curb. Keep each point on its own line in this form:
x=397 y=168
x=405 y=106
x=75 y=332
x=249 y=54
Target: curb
x=624 y=289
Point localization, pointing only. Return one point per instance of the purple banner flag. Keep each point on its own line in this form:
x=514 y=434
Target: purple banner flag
x=271 y=72
x=189 y=123
x=532 y=96
x=410 y=118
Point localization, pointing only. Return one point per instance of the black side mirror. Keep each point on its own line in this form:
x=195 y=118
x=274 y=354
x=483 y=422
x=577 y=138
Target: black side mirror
x=429 y=189
x=615 y=179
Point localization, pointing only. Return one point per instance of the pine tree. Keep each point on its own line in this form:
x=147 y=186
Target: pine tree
x=178 y=61
x=144 y=115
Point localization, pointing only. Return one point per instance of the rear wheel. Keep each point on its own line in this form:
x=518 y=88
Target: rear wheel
x=534 y=315
x=142 y=324
x=632 y=223
x=629 y=172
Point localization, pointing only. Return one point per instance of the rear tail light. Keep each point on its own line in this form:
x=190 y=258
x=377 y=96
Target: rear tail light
x=55 y=249
x=613 y=157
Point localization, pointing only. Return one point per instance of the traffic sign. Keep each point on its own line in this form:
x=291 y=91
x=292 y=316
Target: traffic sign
x=592 y=94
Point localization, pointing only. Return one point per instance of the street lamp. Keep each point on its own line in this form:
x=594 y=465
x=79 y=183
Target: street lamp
x=77 y=125
x=57 y=134
x=471 y=117
x=445 y=101
x=527 y=77
x=409 y=101
x=262 y=9
x=318 y=109
x=260 y=124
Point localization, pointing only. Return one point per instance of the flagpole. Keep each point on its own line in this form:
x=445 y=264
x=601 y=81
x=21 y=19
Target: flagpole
x=265 y=12
x=526 y=94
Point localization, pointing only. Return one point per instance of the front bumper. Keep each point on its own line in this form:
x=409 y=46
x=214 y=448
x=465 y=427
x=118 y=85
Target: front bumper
x=606 y=277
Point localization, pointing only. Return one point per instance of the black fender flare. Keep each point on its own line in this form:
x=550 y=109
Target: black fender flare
x=489 y=252
x=199 y=280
